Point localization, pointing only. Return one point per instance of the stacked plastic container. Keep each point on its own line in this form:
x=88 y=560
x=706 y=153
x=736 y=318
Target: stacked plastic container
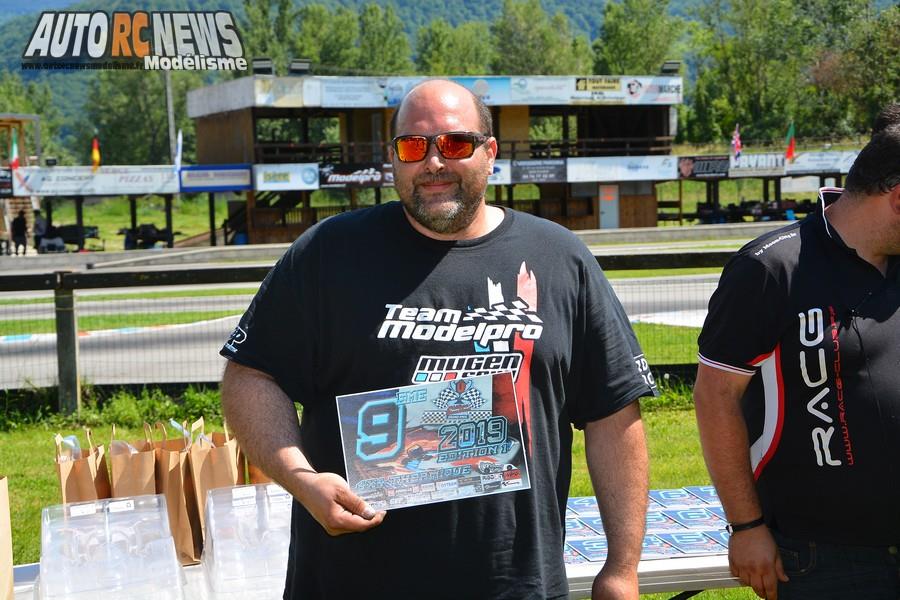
x=248 y=532
x=116 y=548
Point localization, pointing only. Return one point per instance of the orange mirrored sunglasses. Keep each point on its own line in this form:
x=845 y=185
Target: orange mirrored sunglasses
x=453 y=145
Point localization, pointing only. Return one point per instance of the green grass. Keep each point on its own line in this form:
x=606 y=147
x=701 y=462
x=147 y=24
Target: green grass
x=118 y=321
x=667 y=344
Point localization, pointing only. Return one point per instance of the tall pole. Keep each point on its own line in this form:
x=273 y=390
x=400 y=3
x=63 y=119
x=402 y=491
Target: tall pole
x=170 y=110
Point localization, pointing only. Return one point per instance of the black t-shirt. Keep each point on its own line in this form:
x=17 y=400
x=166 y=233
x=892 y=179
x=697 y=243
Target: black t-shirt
x=363 y=302
x=818 y=328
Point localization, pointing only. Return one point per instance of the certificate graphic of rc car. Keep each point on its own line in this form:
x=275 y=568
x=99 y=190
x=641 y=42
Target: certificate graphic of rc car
x=434 y=442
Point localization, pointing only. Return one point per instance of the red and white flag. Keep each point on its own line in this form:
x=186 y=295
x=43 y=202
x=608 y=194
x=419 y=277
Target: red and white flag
x=736 y=142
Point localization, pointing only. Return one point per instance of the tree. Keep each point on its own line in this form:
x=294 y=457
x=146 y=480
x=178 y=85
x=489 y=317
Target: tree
x=383 y=46
x=329 y=40
x=750 y=58
x=114 y=100
x=266 y=32
x=36 y=98
x=527 y=42
x=443 y=50
x=636 y=37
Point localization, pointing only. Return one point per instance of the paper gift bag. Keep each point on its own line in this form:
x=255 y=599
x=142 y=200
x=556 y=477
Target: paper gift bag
x=174 y=481
x=6 y=560
x=132 y=466
x=254 y=473
x=85 y=477
x=214 y=464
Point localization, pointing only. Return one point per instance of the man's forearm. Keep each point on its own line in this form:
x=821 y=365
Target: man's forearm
x=265 y=423
x=723 y=434
x=616 y=452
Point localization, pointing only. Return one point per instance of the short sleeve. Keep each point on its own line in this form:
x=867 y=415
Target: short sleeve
x=742 y=325
x=611 y=370
x=276 y=334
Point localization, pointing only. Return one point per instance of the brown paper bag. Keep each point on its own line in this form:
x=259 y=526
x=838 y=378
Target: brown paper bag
x=174 y=481
x=254 y=473
x=212 y=466
x=6 y=559
x=86 y=478
x=133 y=474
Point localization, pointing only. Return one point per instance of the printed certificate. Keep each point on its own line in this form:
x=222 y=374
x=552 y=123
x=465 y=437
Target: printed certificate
x=434 y=442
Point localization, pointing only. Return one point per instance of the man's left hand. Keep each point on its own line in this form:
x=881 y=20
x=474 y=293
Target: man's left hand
x=615 y=584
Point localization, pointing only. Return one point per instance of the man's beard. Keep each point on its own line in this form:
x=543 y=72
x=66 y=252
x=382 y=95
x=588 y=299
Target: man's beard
x=458 y=207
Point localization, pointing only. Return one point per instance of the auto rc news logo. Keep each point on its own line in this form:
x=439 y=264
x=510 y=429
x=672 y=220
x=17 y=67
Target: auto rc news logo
x=161 y=41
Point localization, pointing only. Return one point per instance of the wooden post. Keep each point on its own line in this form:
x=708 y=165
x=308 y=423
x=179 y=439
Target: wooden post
x=170 y=243
x=79 y=220
x=132 y=208
x=212 y=218
x=67 y=350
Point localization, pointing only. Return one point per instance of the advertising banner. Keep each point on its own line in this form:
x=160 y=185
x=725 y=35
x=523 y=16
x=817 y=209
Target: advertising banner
x=105 y=181
x=815 y=163
x=6 y=187
x=596 y=90
x=434 y=442
x=621 y=168
x=703 y=167
x=539 y=171
x=215 y=178
x=768 y=164
x=352 y=175
x=286 y=177
x=502 y=174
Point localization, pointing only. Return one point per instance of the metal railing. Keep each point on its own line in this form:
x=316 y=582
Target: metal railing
x=62 y=332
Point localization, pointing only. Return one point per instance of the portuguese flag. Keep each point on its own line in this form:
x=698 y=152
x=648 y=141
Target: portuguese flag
x=791 y=143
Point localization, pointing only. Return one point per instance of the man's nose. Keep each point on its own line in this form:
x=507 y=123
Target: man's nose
x=434 y=162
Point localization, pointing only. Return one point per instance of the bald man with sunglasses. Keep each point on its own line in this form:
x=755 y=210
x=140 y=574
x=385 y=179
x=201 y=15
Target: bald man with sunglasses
x=328 y=321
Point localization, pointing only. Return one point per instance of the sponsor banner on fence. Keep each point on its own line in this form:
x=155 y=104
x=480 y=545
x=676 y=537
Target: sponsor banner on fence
x=703 y=167
x=767 y=164
x=814 y=163
x=294 y=176
x=6 y=189
x=621 y=168
x=539 y=171
x=215 y=178
x=105 y=181
x=379 y=92
x=353 y=175
x=502 y=174
x=596 y=90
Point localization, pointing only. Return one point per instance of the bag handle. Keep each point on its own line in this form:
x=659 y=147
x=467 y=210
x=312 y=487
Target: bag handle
x=161 y=426
x=148 y=433
x=90 y=439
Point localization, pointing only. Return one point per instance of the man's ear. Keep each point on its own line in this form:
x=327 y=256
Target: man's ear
x=894 y=199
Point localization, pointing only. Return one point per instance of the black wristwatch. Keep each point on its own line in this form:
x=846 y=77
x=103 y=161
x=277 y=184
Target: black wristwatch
x=733 y=528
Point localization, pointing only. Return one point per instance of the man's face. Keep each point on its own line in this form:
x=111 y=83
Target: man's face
x=441 y=194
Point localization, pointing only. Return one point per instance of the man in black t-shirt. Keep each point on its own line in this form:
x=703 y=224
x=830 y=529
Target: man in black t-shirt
x=798 y=392
x=407 y=292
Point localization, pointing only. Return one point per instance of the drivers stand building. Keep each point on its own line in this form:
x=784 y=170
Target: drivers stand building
x=318 y=146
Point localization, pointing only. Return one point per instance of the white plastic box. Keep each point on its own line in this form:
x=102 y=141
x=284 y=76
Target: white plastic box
x=115 y=548
x=248 y=532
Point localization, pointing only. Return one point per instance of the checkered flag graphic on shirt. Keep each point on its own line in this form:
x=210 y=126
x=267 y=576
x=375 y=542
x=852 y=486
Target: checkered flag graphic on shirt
x=519 y=311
